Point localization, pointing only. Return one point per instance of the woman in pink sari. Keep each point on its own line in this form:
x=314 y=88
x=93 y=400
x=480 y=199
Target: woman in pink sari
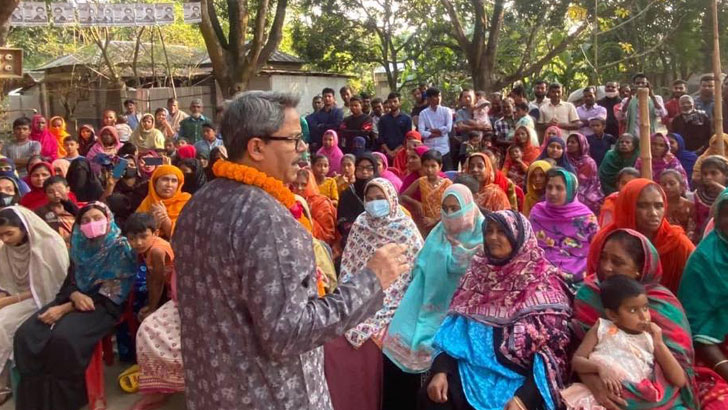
x=384 y=172
x=39 y=132
x=590 y=189
x=330 y=149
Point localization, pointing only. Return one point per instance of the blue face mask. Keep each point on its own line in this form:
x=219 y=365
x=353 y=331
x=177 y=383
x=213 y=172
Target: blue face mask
x=378 y=208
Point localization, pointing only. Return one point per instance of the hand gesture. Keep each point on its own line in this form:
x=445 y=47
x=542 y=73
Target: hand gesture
x=52 y=315
x=437 y=389
x=82 y=302
x=388 y=262
x=159 y=211
x=611 y=378
x=656 y=332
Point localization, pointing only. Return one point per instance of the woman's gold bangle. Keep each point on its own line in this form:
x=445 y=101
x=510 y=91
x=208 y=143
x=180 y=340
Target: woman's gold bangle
x=715 y=366
x=520 y=404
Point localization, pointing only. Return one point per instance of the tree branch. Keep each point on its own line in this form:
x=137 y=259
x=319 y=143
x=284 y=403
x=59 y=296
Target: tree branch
x=459 y=33
x=276 y=33
x=213 y=22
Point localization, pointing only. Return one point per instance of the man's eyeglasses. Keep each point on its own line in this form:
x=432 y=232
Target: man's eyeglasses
x=298 y=138
x=365 y=168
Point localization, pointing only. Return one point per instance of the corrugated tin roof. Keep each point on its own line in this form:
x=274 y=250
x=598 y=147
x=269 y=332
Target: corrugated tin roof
x=277 y=57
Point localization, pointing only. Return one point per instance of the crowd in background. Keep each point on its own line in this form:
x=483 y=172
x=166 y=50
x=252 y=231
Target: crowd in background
x=546 y=272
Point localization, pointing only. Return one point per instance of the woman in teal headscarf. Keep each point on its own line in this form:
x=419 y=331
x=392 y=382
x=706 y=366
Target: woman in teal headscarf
x=704 y=292
x=440 y=264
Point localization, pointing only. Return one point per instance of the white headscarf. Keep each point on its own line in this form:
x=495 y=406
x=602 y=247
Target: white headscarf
x=43 y=260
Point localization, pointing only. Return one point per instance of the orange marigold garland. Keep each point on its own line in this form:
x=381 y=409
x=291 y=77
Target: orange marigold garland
x=274 y=187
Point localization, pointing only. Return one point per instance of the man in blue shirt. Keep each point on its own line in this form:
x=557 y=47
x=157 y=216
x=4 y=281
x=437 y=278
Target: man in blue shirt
x=327 y=118
x=393 y=126
x=209 y=139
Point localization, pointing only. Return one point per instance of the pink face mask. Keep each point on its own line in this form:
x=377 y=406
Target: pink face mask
x=94 y=229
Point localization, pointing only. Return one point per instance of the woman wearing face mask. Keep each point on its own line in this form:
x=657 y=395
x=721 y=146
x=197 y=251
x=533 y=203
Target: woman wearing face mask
x=108 y=144
x=351 y=200
x=564 y=226
x=52 y=354
x=662 y=158
x=146 y=137
x=33 y=265
x=165 y=198
x=9 y=190
x=353 y=362
x=8 y=169
x=440 y=264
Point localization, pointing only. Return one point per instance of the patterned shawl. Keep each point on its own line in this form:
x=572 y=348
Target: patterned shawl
x=334 y=154
x=366 y=236
x=665 y=311
x=48 y=143
x=59 y=133
x=174 y=204
x=670 y=240
x=532 y=196
x=563 y=161
x=565 y=231
x=704 y=288
x=523 y=294
x=98 y=148
x=440 y=264
x=590 y=189
x=491 y=196
x=668 y=161
x=107 y=263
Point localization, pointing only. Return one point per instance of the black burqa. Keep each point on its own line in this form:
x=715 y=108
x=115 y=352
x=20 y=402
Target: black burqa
x=83 y=182
x=196 y=179
x=351 y=201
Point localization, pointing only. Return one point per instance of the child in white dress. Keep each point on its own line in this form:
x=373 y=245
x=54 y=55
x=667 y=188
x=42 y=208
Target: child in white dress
x=622 y=348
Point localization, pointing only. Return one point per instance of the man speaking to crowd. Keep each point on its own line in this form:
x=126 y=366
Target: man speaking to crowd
x=252 y=324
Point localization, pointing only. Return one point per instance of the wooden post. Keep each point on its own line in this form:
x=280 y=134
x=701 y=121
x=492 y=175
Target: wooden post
x=643 y=94
x=166 y=58
x=717 y=75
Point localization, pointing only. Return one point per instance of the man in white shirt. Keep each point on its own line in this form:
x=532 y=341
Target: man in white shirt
x=629 y=112
x=435 y=124
x=556 y=112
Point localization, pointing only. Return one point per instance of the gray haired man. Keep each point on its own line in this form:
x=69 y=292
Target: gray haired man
x=191 y=127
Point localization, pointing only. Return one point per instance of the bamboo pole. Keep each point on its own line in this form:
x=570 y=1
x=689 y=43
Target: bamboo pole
x=166 y=58
x=717 y=75
x=643 y=95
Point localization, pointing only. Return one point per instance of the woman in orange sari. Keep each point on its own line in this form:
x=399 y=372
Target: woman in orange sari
x=323 y=211
x=641 y=206
x=165 y=199
x=490 y=196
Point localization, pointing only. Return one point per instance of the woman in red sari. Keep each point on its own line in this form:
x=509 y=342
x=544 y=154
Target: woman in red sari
x=641 y=206
x=322 y=209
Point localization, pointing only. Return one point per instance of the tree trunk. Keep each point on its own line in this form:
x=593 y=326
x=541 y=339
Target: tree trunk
x=6 y=10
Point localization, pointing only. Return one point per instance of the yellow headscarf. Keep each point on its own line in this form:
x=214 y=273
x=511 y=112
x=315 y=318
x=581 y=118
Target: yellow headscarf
x=712 y=150
x=59 y=133
x=532 y=197
x=174 y=204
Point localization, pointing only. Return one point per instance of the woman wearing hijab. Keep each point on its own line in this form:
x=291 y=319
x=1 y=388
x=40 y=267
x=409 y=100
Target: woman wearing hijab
x=648 y=219
x=52 y=354
x=145 y=136
x=57 y=127
x=108 y=145
x=37 y=175
x=504 y=343
x=522 y=138
x=39 y=132
x=353 y=362
x=60 y=166
x=165 y=198
x=330 y=149
x=9 y=189
x=704 y=293
x=8 y=169
x=590 y=190
x=639 y=260
x=86 y=139
x=83 y=182
x=414 y=167
x=556 y=151
x=623 y=155
x=351 y=200
x=443 y=259
x=677 y=148
x=490 y=197
x=146 y=170
x=384 y=171
x=33 y=265
x=216 y=154
x=564 y=226
x=535 y=185
x=322 y=210
x=194 y=175
x=662 y=158
x=126 y=194
x=412 y=139
x=712 y=150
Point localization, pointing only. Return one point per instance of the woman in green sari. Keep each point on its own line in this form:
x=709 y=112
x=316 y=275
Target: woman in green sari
x=622 y=155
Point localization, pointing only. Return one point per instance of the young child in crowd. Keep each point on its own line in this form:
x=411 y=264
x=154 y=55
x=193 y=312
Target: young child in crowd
x=606 y=213
x=518 y=169
x=622 y=348
x=123 y=129
x=713 y=180
x=473 y=144
x=482 y=107
x=327 y=186
x=22 y=148
x=347 y=176
x=86 y=139
x=599 y=142
x=71 y=145
x=60 y=211
x=680 y=211
x=431 y=188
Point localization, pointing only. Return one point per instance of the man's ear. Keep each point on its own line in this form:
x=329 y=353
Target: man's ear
x=256 y=149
